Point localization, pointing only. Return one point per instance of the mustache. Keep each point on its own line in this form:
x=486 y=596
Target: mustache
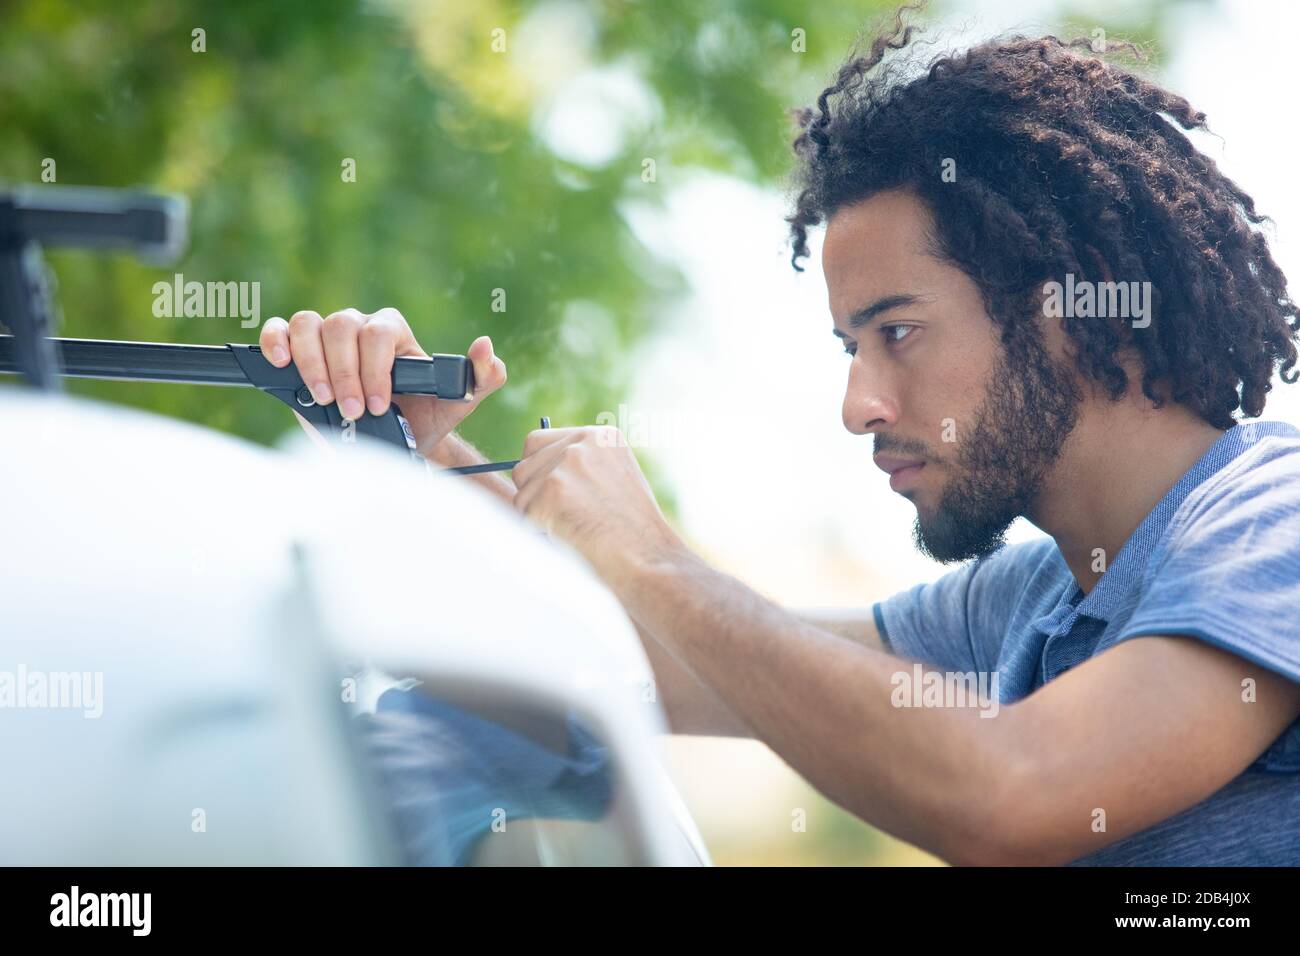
x=902 y=447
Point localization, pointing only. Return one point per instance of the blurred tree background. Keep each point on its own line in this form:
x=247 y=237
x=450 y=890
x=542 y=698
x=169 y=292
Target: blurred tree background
x=473 y=169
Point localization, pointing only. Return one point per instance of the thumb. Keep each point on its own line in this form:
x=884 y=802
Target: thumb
x=489 y=370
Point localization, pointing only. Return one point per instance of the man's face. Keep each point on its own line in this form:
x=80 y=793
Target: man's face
x=968 y=432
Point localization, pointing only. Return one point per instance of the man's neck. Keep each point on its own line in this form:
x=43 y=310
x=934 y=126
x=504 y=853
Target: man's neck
x=1118 y=463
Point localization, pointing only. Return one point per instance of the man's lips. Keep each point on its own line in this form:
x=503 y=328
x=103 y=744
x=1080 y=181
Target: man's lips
x=902 y=471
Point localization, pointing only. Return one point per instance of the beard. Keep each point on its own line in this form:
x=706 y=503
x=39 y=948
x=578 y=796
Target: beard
x=1030 y=407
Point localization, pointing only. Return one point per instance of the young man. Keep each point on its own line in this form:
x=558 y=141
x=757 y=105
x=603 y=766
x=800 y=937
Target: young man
x=1053 y=306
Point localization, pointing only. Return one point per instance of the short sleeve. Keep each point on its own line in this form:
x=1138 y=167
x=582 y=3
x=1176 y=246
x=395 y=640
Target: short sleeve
x=957 y=623
x=1228 y=573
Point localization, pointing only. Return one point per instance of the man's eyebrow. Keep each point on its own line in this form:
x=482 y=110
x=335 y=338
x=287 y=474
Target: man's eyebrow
x=864 y=315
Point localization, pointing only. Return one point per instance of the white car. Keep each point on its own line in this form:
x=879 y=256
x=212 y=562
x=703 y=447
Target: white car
x=194 y=631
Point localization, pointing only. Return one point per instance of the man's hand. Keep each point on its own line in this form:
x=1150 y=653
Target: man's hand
x=584 y=485
x=348 y=357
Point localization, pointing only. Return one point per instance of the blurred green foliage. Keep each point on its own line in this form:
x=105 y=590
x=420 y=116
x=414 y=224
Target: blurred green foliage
x=459 y=189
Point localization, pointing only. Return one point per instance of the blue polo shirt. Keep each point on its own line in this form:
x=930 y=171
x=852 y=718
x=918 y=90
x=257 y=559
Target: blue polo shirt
x=1218 y=559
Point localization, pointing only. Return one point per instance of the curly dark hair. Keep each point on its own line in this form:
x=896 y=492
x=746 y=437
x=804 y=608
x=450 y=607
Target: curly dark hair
x=1065 y=162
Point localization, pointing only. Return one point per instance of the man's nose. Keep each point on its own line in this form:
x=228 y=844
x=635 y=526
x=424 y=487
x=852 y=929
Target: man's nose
x=869 y=402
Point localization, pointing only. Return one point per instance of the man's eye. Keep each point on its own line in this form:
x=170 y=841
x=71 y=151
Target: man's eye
x=889 y=330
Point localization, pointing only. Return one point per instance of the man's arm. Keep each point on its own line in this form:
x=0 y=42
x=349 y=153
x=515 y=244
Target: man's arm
x=858 y=626
x=1142 y=731
x=693 y=708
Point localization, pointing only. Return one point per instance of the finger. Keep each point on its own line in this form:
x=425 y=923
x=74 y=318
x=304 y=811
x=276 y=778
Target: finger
x=274 y=341
x=539 y=438
x=308 y=353
x=489 y=370
x=406 y=343
x=527 y=491
x=342 y=357
x=537 y=464
x=378 y=347
x=524 y=495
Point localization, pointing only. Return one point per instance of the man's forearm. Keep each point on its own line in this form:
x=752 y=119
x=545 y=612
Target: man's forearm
x=455 y=452
x=825 y=705
x=691 y=707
